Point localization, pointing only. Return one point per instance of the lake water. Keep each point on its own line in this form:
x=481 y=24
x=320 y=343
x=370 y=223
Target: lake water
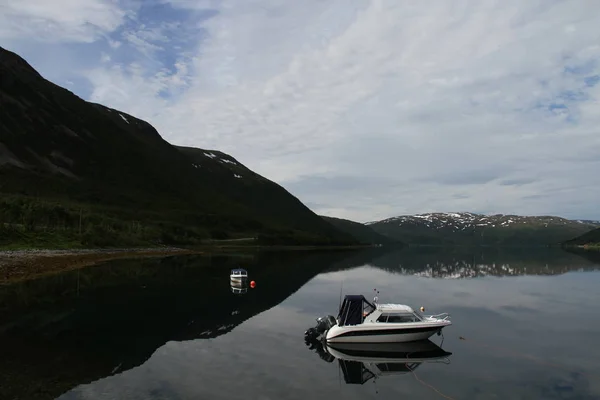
x=525 y=326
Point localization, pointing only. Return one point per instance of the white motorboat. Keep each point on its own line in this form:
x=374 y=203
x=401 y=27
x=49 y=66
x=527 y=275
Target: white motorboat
x=360 y=321
x=238 y=275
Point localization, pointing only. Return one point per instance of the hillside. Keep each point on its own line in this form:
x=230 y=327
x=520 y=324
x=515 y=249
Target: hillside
x=589 y=239
x=80 y=173
x=360 y=232
x=478 y=229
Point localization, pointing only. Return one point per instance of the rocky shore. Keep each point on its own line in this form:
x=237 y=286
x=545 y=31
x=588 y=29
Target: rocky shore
x=25 y=264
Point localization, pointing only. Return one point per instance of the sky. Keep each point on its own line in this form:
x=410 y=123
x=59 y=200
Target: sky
x=362 y=109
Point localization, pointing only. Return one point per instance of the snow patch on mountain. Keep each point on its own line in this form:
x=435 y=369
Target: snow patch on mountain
x=463 y=220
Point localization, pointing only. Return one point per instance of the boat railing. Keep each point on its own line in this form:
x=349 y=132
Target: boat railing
x=445 y=360
x=443 y=316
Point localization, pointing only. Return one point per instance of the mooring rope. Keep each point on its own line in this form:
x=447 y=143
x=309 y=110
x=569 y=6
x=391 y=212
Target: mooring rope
x=422 y=382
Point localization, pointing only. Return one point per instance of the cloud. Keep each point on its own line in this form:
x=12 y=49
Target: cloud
x=516 y=182
x=59 y=20
x=370 y=109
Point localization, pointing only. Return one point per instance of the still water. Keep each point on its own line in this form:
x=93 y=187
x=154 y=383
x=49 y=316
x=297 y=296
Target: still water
x=525 y=326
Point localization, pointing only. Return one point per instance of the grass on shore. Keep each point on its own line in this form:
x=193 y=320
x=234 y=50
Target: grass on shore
x=588 y=246
x=34 y=266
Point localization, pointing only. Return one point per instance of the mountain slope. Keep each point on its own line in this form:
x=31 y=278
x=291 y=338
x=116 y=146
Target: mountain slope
x=64 y=160
x=477 y=229
x=591 y=238
x=360 y=232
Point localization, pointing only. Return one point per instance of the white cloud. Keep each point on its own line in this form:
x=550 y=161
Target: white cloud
x=59 y=20
x=372 y=109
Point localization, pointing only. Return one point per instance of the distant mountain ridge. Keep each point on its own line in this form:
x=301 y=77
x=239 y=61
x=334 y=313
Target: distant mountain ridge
x=467 y=228
x=588 y=239
x=85 y=174
x=359 y=231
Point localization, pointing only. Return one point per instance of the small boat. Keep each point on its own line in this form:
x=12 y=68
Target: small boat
x=238 y=275
x=360 y=321
x=238 y=286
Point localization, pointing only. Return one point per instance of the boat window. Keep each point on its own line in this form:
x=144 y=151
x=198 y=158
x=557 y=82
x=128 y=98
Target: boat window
x=401 y=318
x=397 y=318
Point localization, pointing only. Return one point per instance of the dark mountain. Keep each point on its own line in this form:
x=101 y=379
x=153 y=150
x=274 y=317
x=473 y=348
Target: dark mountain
x=589 y=239
x=94 y=175
x=360 y=232
x=476 y=229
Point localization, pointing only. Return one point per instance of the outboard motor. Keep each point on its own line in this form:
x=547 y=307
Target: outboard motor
x=323 y=325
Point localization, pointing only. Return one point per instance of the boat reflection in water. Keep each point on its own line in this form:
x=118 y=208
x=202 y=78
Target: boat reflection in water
x=361 y=362
x=240 y=287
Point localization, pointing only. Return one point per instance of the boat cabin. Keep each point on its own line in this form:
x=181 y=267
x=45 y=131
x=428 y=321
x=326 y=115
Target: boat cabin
x=355 y=309
x=239 y=273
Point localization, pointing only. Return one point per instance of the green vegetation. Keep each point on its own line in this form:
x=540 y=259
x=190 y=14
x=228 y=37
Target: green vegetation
x=74 y=173
x=589 y=240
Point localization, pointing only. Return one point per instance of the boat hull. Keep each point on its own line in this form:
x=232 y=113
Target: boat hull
x=418 y=351
x=355 y=334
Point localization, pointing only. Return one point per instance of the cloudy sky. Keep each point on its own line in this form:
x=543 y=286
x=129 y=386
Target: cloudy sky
x=362 y=109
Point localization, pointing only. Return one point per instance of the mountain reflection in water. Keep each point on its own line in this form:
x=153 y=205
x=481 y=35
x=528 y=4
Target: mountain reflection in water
x=78 y=326
x=68 y=330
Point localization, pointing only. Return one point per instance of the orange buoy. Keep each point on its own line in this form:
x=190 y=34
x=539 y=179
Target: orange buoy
x=252 y=284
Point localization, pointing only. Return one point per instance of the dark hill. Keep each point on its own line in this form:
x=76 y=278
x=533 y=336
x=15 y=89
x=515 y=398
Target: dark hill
x=591 y=238
x=64 y=160
x=360 y=232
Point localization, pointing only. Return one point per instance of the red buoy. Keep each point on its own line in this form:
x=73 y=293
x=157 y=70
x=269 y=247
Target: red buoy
x=252 y=284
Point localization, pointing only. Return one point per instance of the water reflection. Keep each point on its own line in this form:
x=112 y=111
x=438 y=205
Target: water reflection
x=142 y=327
x=361 y=362
x=465 y=262
x=67 y=329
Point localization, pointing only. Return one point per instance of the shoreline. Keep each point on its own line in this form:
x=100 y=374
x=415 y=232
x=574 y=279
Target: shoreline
x=19 y=265
x=25 y=264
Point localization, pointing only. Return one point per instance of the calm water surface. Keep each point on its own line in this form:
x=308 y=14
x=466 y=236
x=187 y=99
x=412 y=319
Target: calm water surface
x=526 y=326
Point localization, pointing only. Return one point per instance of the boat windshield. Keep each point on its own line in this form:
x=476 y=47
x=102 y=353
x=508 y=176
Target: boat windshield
x=238 y=272
x=353 y=310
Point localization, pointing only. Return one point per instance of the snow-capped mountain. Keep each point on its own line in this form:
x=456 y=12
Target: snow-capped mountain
x=471 y=228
